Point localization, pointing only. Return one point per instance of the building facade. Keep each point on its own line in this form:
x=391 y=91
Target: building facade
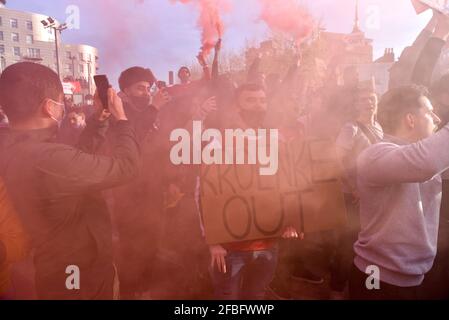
x=24 y=38
x=355 y=50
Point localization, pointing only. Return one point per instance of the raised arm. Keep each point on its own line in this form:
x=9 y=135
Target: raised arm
x=386 y=163
x=427 y=60
x=401 y=73
x=203 y=64
x=215 y=66
x=66 y=170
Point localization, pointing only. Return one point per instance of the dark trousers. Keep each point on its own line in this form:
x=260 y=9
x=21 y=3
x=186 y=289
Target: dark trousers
x=345 y=238
x=436 y=282
x=359 y=291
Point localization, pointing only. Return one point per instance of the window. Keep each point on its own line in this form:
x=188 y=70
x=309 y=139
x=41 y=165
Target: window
x=34 y=53
x=68 y=54
x=30 y=39
x=1 y=21
x=14 y=37
x=1 y=36
x=68 y=68
x=81 y=68
x=14 y=23
x=2 y=48
x=81 y=56
x=16 y=51
x=29 y=25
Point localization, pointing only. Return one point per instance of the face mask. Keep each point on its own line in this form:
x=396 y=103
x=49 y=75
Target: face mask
x=59 y=122
x=140 y=102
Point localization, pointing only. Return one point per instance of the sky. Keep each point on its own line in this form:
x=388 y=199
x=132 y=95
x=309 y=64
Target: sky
x=163 y=35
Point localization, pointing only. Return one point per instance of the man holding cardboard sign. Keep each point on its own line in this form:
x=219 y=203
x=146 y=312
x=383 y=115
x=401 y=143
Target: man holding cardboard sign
x=244 y=213
x=240 y=269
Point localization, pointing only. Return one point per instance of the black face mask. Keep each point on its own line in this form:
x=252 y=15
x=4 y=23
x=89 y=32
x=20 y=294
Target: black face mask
x=253 y=119
x=140 y=102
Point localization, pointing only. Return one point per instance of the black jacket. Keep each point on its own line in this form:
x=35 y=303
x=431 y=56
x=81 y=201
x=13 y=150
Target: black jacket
x=427 y=60
x=56 y=190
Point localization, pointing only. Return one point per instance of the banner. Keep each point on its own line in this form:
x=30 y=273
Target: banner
x=439 y=5
x=239 y=204
x=71 y=87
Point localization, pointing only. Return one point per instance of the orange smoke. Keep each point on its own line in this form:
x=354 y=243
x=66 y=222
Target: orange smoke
x=287 y=16
x=210 y=21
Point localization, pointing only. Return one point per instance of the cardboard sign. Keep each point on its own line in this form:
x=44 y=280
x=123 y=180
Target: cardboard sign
x=239 y=204
x=439 y=5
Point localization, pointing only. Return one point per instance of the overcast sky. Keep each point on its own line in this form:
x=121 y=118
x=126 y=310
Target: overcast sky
x=163 y=35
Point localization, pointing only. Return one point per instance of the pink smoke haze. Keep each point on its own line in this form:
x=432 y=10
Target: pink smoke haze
x=116 y=29
x=287 y=16
x=210 y=21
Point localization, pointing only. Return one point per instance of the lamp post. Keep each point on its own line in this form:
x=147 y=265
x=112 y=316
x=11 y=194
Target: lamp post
x=89 y=75
x=50 y=23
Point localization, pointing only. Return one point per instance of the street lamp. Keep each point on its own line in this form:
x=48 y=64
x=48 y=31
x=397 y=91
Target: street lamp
x=89 y=74
x=50 y=23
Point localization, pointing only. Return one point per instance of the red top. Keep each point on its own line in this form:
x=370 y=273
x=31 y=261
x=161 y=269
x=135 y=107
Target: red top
x=253 y=245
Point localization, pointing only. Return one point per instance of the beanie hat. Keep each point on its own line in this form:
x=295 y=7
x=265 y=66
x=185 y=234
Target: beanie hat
x=133 y=75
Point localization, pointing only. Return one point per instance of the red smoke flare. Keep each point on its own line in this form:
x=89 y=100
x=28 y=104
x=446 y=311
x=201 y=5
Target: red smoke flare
x=117 y=27
x=209 y=21
x=287 y=16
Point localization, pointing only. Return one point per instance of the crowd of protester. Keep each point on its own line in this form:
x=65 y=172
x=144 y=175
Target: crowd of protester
x=98 y=190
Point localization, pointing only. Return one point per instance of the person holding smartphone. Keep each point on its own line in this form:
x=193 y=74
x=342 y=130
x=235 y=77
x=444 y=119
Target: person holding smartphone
x=56 y=189
x=138 y=206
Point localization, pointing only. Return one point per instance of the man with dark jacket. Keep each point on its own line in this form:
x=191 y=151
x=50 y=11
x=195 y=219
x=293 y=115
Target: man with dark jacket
x=138 y=205
x=56 y=188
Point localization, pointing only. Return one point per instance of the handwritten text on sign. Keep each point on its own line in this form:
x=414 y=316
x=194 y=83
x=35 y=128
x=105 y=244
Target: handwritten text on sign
x=239 y=204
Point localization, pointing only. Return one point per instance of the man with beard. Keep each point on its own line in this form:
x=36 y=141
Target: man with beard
x=138 y=206
x=243 y=270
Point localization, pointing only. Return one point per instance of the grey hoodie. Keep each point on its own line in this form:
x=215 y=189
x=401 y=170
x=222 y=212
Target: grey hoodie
x=400 y=196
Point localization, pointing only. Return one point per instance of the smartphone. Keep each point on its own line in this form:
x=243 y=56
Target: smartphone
x=102 y=83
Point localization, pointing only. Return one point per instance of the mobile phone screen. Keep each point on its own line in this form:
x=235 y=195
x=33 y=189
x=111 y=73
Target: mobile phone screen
x=102 y=83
